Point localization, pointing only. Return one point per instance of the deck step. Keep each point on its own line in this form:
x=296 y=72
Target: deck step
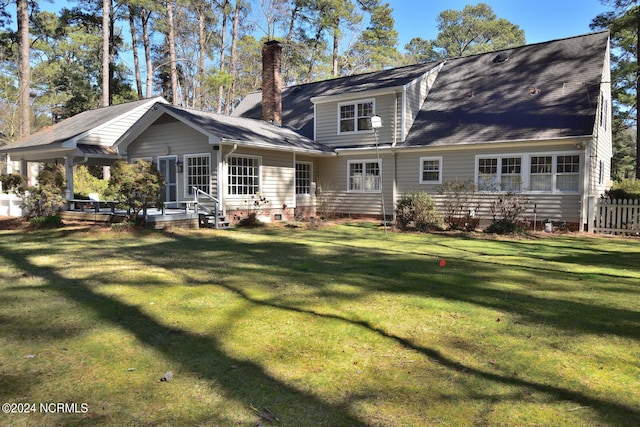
x=209 y=221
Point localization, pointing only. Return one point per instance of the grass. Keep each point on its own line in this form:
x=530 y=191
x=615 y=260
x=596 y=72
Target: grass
x=340 y=326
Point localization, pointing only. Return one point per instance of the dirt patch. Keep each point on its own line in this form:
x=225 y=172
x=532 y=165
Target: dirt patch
x=12 y=223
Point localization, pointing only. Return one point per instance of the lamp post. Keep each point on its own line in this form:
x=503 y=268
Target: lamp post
x=376 y=123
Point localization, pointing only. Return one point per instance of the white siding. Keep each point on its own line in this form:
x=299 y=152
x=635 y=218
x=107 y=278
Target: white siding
x=108 y=135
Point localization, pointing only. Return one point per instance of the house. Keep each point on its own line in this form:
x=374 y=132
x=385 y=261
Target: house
x=534 y=120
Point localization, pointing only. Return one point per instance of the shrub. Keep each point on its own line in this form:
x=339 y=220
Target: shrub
x=45 y=199
x=417 y=210
x=49 y=221
x=627 y=189
x=460 y=205
x=136 y=185
x=85 y=183
x=508 y=214
x=254 y=206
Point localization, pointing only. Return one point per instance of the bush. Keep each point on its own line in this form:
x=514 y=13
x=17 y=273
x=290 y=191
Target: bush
x=627 y=189
x=418 y=211
x=460 y=205
x=49 y=221
x=85 y=183
x=508 y=214
x=136 y=185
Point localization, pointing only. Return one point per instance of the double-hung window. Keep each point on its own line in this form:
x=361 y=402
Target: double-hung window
x=568 y=173
x=303 y=178
x=499 y=174
x=355 y=116
x=198 y=172
x=431 y=170
x=243 y=175
x=364 y=176
x=541 y=173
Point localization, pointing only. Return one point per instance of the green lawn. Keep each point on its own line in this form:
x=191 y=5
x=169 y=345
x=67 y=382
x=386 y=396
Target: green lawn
x=339 y=326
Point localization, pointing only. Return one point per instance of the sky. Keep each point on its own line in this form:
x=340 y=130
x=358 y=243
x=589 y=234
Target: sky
x=541 y=20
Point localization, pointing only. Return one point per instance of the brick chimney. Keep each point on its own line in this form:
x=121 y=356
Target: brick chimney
x=272 y=82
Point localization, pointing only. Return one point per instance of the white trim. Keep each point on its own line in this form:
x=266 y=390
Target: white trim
x=525 y=170
x=355 y=104
x=440 y=163
x=170 y=156
x=364 y=162
x=346 y=97
x=185 y=171
x=295 y=178
x=228 y=182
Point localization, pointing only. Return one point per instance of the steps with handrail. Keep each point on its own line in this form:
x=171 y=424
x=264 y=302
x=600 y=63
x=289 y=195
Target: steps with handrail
x=207 y=207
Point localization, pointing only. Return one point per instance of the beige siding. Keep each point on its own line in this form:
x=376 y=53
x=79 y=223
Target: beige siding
x=333 y=186
x=169 y=139
x=327 y=123
x=415 y=95
x=277 y=175
x=459 y=164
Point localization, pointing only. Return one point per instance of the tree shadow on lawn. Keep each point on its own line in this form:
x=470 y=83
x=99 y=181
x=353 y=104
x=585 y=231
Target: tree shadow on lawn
x=350 y=264
x=259 y=387
x=244 y=381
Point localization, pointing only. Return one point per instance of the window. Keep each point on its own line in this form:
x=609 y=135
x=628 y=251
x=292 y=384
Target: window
x=364 y=176
x=303 y=178
x=541 y=173
x=243 y=175
x=568 y=173
x=198 y=172
x=500 y=174
x=430 y=170
x=355 y=117
x=603 y=110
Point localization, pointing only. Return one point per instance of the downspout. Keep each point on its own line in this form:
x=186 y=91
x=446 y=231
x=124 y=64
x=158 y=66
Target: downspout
x=224 y=175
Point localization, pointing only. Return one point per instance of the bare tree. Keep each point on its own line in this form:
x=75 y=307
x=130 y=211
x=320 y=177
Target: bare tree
x=24 y=68
x=171 y=41
x=106 y=10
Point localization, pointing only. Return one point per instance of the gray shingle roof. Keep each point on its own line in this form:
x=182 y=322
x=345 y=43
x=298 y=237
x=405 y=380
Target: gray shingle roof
x=75 y=126
x=239 y=129
x=297 y=108
x=541 y=91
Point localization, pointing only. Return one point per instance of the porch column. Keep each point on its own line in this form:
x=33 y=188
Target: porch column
x=68 y=171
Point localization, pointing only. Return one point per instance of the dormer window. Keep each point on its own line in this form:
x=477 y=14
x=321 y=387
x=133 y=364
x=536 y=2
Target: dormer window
x=355 y=116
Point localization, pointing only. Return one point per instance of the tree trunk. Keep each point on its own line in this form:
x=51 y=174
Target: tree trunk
x=134 y=44
x=637 y=96
x=201 y=55
x=106 y=6
x=223 y=42
x=146 y=15
x=171 y=41
x=232 y=60
x=24 y=68
x=334 y=67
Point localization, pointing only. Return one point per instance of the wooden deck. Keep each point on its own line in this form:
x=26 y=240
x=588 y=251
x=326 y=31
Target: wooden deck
x=155 y=219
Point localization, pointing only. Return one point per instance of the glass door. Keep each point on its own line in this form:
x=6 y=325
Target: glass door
x=167 y=168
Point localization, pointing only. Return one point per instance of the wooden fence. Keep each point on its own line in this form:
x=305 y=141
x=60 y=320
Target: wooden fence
x=617 y=216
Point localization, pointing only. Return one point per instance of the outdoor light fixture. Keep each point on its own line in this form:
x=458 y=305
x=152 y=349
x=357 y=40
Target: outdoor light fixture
x=376 y=122
x=179 y=166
